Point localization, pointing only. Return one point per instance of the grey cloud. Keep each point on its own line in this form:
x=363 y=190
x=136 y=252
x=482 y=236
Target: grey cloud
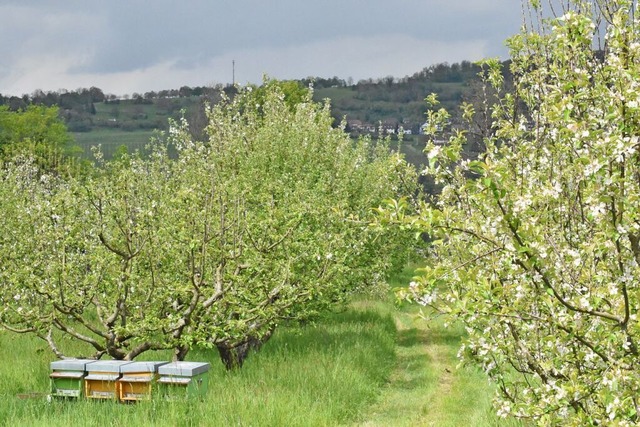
x=141 y=35
x=113 y=39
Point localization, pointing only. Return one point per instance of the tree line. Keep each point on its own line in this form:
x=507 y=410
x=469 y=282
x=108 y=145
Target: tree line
x=370 y=100
x=211 y=242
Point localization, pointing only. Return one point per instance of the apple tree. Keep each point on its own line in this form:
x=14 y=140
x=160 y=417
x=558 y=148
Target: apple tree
x=536 y=244
x=289 y=198
x=211 y=243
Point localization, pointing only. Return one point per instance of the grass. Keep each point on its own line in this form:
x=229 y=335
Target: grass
x=426 y=387
x=305 y=376
x=111 y=140
x=370 y=365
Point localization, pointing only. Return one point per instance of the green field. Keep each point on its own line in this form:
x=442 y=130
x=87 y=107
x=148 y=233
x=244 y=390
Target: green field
x=111 y=140
x=370 y=365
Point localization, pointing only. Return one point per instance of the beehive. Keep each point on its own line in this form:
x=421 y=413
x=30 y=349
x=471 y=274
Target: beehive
x=137 y=381
x=67 y=377
x=183 y=380
x=101 y=378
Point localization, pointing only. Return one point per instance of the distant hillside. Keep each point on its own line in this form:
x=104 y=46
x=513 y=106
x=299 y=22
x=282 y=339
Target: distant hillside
x=400 y=102
x=368 y=105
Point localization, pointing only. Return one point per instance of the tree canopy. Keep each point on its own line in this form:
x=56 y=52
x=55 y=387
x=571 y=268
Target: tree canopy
x=37 y=131
x=210 y=242
x=536 y=244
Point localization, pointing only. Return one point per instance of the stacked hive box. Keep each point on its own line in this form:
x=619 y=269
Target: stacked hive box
x=137 y=380
x=128 y=381
x=183 y=380
x=67 y=377
x=100 y=382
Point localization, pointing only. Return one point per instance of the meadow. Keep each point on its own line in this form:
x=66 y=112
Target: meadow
x=112 y=140
x=371 y=364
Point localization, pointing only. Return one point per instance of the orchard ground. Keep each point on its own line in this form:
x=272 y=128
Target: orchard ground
x=369 y=365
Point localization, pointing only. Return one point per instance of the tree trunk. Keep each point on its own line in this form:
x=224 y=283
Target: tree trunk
x=180 y=353
x=234 y=354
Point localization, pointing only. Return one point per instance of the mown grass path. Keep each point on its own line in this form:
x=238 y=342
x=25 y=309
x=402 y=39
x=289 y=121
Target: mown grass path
x=426 y=388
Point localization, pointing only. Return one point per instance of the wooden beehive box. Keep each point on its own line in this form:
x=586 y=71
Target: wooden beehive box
x=183 y=379
x=137 y=380
x=101 y=378
x=67 y=377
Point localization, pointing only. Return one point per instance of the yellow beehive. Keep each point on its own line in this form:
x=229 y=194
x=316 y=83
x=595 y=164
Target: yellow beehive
x=101 y=379
x=137 y=381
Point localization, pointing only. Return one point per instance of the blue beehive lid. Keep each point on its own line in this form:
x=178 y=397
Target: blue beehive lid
x=184 y=369
x=141 y=367
x=70 y=364
x=106 y=366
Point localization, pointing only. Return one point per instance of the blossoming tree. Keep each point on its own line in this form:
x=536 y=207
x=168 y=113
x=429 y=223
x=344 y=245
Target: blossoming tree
x=536 y=244
x=214 y=243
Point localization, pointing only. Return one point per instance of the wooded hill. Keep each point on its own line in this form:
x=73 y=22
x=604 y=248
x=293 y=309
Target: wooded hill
x=387 y=103
x=391 y=101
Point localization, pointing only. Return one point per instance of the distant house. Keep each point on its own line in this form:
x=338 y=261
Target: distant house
x=439 y=140
x=354 y=125
x=425 y=125
x=423 y=128
x=389 y=127
x=358 y=126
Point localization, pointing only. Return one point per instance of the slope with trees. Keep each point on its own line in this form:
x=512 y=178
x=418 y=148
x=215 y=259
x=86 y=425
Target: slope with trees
x=397 y=102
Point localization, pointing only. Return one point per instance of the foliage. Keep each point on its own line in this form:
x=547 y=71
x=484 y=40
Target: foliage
x=266 y=221
x=293 y=92
x=536 y=244
x=288 y=195
x=36 y=130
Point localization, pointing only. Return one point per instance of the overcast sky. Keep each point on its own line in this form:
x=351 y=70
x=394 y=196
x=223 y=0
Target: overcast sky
x=127 y=46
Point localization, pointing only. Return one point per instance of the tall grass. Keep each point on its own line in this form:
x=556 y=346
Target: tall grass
x=370 y=365
x=304 y=376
